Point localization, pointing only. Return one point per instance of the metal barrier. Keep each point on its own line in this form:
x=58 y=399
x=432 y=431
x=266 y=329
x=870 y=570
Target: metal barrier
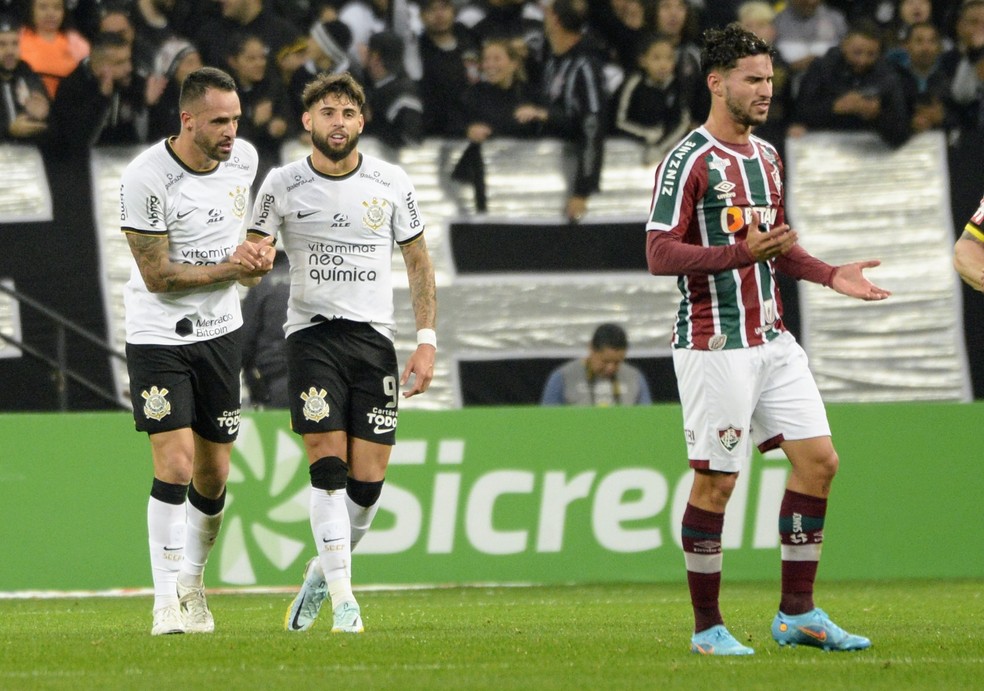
x=61 y=372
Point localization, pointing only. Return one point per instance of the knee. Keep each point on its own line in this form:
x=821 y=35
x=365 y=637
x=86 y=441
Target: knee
x=210 y=480
x=329 y=473
x=712 y=490
x=827 y=465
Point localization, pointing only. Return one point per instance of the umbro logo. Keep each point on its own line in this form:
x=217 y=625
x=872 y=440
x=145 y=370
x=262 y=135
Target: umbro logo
x=183 y=214
x=305 y=214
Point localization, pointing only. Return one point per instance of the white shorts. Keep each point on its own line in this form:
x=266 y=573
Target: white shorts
x=733 y=398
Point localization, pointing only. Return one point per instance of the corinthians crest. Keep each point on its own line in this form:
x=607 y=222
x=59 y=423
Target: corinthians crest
x=729 y=437
x=157 y=406
x=239 y=196
x=375 y=214
x=315 y=405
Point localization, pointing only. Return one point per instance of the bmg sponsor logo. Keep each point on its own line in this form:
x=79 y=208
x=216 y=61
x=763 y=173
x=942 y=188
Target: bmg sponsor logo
x=412 y=210
x=266 y=205
x=154 y=211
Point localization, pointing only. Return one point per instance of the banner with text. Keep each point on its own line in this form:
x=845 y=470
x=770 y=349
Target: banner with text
x=503 y=495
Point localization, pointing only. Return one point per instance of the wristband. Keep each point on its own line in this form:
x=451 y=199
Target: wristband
x=427 y=337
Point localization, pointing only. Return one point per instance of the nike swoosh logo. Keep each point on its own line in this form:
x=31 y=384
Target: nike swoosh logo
x=182 y=215
x=305 y=214
x=293 y=623
x=171 y=549
x=818 y=635
x=382 y=430
x=334 y=539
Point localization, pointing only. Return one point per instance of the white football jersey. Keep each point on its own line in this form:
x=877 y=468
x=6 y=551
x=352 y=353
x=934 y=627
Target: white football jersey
x=339 y=233
x=203 y=216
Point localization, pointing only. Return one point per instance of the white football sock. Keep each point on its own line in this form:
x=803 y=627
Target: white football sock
x=201 y=533
x=360 y=518
x=166 y=533
x=332 y=538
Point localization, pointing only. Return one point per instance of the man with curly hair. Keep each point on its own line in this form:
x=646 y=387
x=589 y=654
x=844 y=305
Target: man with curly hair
x=718 y=224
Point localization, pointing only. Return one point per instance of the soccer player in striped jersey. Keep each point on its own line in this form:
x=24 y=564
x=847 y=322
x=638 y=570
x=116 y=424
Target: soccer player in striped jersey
x=717 y=222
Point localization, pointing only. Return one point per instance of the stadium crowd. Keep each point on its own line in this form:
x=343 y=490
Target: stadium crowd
x=76 y=73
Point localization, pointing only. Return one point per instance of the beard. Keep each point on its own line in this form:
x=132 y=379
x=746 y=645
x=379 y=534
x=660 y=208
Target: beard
x=211 y=149
x=743 y=116
x=333 y=153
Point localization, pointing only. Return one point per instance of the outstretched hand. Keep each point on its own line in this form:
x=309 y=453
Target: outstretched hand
x=421 y=366
x=849 y=280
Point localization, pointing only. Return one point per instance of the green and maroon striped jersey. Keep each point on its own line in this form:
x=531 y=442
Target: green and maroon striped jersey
x=705 y=194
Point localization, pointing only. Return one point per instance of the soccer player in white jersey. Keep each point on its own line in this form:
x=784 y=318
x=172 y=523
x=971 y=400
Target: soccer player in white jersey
x=183 y=206
x=339 y=213
x=718 y=223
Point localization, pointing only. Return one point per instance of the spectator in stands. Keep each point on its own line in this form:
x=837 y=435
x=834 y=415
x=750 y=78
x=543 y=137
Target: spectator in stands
x=514 y=19
x=678 y=20
x=368 y=17
x=250 y=17
x=805 y=31
x=853 y=87
x=25 y=105
x=926 y=84
x=153 y=24
x=394 y=110
x=909 y=13
x=176 y=59
x=49 y=45
x=623 y=25
x=116 y=18
x=758 y=17
x=266 y=113
x=127 y=119
x=449 y=60
x=85 y=100
x=264 y=345
x=326 y=51
x=575 y=98
x=603 y=378
x=964 y=65
x=487 y=109
x=651 y=105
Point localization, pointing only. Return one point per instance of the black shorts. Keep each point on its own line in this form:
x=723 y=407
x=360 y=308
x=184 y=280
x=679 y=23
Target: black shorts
x=194 y=385
x=343 y=376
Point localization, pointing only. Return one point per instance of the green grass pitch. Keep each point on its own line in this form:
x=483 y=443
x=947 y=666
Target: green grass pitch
x=926 y=635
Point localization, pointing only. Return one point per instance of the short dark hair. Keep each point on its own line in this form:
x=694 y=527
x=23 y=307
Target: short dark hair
x=572 y=15
x=389 y=47
x=201 y=80
x=912 y=28
x=338 y=84
x=867 y=28
x=723 y=48
x=609 y=336
x=105 y=40
x=236 y=43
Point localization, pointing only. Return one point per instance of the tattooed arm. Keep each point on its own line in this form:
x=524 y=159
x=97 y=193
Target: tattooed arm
x=423 y=297
x=161 y=275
